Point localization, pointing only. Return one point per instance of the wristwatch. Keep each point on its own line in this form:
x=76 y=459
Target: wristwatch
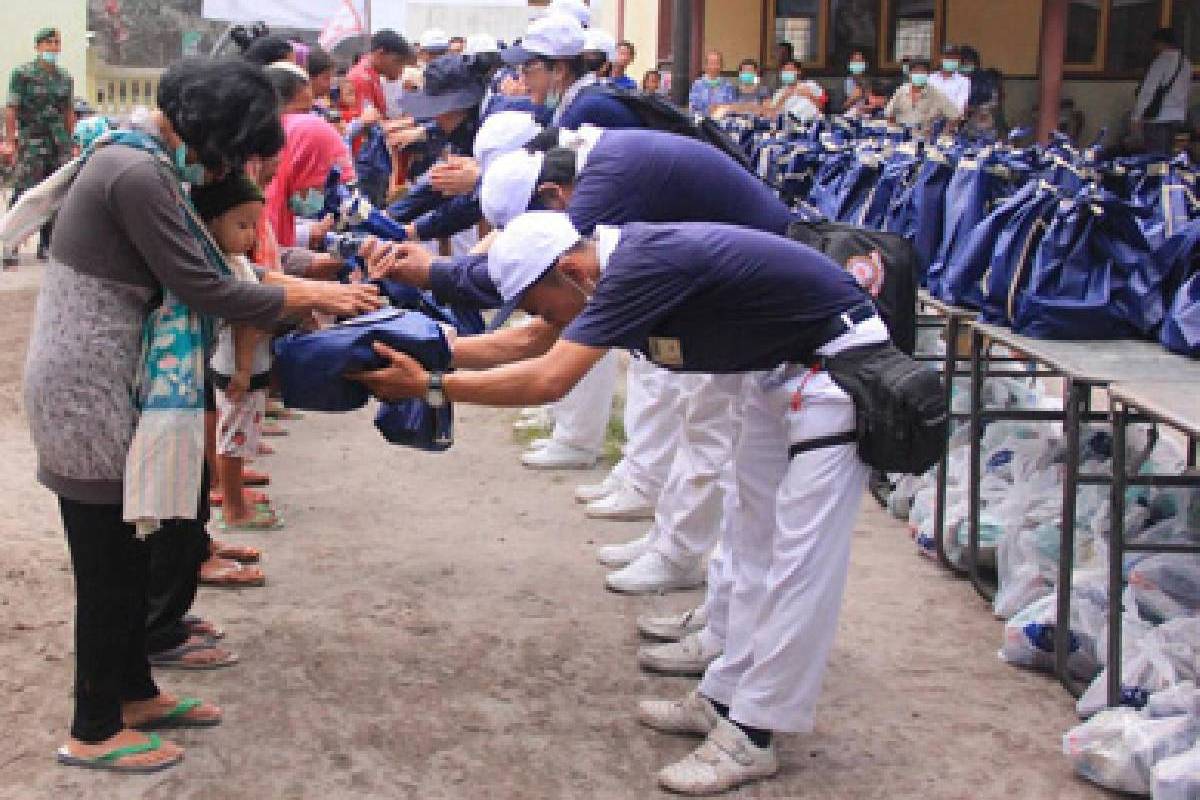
x=435 y=394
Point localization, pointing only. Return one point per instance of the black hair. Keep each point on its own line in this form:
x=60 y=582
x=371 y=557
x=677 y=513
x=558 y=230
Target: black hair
x=791 y=50
x=454 y=39
x=545 y=139
x=267 y=50
x=558 y=167
x=791 y=61
x=594 y=62
x=286 y=82
x=224 y=109
x=319 y=62
x=629 y=44
x=749 y=61
x=950 y=49
x=1164 y=36
x=392 y=43
x=923 y=63
x=968 y=53
x=211 y=200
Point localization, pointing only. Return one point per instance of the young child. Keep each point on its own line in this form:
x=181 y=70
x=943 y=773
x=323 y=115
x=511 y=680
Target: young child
x=241 y=364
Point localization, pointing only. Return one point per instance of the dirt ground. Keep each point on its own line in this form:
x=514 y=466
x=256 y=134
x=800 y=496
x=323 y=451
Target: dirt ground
x=435 y=626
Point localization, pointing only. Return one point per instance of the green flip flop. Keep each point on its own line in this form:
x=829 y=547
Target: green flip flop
x=177 y=717
x=111 y=761
x=263 y=520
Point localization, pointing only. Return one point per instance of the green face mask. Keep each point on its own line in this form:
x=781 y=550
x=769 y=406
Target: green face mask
x=748 y=78
x=49 y=56
x=191 y=174
x=787 y=78
x=858 y=67
x=919 y=79
x=950 y=64
x=966 y=69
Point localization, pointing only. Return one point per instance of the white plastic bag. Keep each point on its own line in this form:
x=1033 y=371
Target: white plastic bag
x=1177 y=777
x=1166 y=586
x=1175 y=701
x=1118 y=748
x=1029 y=635
x=1153 y=659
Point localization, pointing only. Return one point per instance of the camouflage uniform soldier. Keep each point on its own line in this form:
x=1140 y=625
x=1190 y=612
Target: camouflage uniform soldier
x=39 y=118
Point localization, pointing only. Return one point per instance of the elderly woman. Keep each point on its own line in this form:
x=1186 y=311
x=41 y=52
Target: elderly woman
x=127 y=249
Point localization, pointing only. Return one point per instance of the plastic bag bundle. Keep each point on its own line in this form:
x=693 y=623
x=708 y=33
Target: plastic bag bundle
x=1119 y=747
x=1175 y=701
x=1166 y=586
x=1152 y=659
x=1177 y=777
x=1029 y=635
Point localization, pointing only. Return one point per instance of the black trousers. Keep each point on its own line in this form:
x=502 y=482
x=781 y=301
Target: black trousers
x=176 y=553
x=112 y=572
x=1159 y=137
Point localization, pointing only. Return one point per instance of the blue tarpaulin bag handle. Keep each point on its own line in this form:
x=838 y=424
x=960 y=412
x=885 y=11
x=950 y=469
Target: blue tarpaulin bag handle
x=1180 y=331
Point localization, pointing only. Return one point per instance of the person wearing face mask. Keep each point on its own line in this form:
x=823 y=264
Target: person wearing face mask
x=550 y=56
x=39 y=119
x=710 y=89
x=311 y=147
x=955 y=86
x=918 y=105
x=855 y=86
x=983 y=117
x=130 y=249
x=800 y=99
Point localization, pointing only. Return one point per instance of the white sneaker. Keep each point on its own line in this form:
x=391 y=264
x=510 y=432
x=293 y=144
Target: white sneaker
x=687 y=657
x=618 y=555
x=651 y=572
x=693 y=715
x=538 y=443
x=557 y=455
x=674 y=627
x=590 y=492
x=626 y=503
x=726 y=759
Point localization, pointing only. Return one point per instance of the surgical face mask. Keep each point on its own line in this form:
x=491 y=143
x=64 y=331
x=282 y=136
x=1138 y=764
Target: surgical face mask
x=966 y=69
x=919 y=79
x=49 y=56
x=307 y=204
x=787 y=77
x=858 y=67
x=192 y=174
x=905 y=68
x=950 y=64
x=748 y=78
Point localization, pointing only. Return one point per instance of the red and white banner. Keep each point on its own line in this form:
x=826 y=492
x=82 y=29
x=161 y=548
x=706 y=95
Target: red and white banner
x=349 y=21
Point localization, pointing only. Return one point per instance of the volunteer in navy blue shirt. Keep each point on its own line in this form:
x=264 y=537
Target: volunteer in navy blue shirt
x=710 y=298
x=626 y=176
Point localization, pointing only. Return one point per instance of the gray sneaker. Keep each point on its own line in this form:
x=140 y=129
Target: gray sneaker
x=693 y=715
x=687 y=657
x=726 y=759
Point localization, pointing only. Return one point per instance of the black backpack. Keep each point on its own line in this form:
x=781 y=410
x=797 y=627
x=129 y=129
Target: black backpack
x=885 y=264
x=658 y=114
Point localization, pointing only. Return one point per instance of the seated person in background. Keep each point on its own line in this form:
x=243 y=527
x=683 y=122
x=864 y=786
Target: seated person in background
x=710 y=89
x=652 y=82
x=801 y=99
x=856 y=85
x=954 y=86
x=625 y=55
x=918 y=105
x=749 y=96
x=984 y=102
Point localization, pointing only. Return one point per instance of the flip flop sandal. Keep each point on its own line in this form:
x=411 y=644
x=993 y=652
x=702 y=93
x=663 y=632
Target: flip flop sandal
x=177 y=718
x=283 y=413
x=173 y=658
x=201 y=627
x=235 y=577
x=274 y=430
x=216 y=498
x=111 y=761
x=252 y=477
x=261 y=521
x=243 y=554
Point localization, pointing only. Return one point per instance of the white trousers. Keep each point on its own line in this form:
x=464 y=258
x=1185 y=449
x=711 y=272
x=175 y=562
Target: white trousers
x=654 y=399
x=691 y=512
x=790 y=549
x=581 y=418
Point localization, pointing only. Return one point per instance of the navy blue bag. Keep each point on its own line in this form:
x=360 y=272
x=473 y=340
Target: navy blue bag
x=467 y=321
x=896 y=172
x=1094 y=275
x=311 y=365
x=973 y=191
x=373 y=159
x=415 y=423
x=1164 y=192
x=1181 y=256
x=997 y=261
x=916 y=213
x=827 y=183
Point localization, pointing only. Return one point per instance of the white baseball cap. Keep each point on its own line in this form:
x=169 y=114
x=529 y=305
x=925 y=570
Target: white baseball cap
x=598 y=41
x=551 y=36
x=572 y=8
x=508 y=186
x=434 y=39
x=502 y=133
x=480 y=43
x=523 y=252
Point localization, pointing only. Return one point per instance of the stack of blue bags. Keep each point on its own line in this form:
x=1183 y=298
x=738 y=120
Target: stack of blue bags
x=1051 y=241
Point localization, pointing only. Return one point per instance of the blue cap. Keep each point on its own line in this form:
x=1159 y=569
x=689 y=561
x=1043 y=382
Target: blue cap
x=449 y=85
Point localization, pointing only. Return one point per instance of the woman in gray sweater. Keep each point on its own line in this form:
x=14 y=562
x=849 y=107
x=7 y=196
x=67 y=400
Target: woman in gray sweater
x=123 y=238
